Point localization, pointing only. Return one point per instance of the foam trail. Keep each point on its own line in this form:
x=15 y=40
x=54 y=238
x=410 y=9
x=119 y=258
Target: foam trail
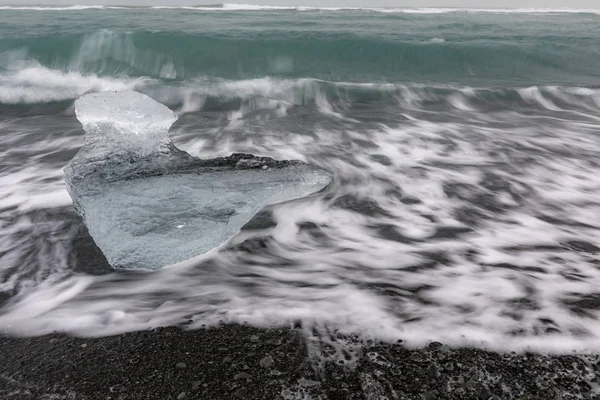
x=333 y=259
x=466 y=214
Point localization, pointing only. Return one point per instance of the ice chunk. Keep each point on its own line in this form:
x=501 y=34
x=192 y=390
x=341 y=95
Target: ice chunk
x=148 y=204
x=123 y=122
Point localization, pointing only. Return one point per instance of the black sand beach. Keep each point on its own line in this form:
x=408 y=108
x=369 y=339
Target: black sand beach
x=240 y=362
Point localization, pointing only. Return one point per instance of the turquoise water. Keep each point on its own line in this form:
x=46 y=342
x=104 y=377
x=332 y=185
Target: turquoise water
x=354 y=46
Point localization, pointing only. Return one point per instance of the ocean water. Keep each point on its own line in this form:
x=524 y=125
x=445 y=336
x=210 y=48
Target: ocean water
x=464 y=146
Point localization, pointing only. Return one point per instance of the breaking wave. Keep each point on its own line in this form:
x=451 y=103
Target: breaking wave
x=35 y=84
x=387 y=57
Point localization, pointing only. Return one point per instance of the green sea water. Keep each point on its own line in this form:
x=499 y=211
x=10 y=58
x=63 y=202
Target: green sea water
x=364 y=46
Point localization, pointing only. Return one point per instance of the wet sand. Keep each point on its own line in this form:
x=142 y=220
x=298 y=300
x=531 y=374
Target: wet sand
x=241 y=362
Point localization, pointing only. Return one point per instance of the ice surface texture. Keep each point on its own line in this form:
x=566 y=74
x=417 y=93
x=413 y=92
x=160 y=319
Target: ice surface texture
x=148 y=204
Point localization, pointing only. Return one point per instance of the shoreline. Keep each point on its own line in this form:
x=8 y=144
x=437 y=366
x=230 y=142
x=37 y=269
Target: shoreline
x=241 y=362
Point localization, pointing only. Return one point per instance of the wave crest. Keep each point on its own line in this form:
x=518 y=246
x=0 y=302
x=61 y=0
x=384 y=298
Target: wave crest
x=32 y=83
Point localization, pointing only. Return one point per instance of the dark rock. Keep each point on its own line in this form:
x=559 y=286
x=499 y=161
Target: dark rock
x=484 y=393
x=433 y=370
x=116 y=388
x=434 y=345
x=307 y=382
x=242 y=375
x=181 y=365
x=267 y=361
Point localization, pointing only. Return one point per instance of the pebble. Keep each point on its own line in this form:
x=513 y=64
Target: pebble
x=254 y=338
x=307 y=382
x=267 y=361
x=240 y=393
x=181 y=365
x=181 y=396
x=484 y=394
x=242 y=375
x=116 y=388
x=274 y=372
x=433 y=371
x=227 y=359
x=435 y=345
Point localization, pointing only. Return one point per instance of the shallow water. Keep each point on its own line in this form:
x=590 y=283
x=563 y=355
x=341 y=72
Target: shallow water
x=464 y=206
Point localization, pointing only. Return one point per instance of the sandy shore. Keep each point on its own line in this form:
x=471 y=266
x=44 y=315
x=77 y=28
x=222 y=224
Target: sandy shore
x=240 y=362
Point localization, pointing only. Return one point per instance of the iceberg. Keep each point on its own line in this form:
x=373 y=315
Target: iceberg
x=148 y=204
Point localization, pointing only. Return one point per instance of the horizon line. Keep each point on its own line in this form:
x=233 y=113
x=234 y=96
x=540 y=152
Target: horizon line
x=224 y=5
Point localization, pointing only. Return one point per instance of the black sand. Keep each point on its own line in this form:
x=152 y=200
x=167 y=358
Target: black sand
x=233 y=361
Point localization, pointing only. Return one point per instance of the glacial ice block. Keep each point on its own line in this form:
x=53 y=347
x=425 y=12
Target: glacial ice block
x=148 y=204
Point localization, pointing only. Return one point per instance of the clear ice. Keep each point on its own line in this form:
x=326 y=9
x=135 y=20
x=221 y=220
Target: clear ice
x=148 y=204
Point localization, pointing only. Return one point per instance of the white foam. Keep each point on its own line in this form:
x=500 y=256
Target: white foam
x=32 y=188
x=390 y=10
x=526 y=176
x=35 y=83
